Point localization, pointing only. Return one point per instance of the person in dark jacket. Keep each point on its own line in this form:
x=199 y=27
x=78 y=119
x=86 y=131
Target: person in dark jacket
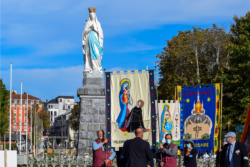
x=234 y=153
x=190 y=154
x=220 y=163
x=136 y=152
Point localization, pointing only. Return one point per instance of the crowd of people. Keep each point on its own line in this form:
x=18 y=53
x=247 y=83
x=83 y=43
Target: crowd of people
x=136 y=152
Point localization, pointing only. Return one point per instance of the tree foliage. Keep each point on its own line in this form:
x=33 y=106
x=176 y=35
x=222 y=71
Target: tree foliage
x=74 y=117
x=192 y=57
x=4 y=108
x=40 y=122
x=45 y=117
x=236 y=77
x=204 y=56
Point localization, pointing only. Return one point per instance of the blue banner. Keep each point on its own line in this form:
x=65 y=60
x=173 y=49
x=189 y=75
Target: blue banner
x=199 y=113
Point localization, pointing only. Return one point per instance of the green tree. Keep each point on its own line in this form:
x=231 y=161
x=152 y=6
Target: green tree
x=236 y=77
x=74 y=117
x=192 y=57
x=45 y=117
x=4 y=107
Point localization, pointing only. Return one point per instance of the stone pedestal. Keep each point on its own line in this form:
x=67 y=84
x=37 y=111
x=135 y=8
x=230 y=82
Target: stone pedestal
x=92 y=114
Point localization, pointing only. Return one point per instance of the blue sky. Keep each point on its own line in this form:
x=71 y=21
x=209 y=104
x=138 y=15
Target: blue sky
x=42 y=38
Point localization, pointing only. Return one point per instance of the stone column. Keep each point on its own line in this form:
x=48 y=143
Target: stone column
x=92 y=113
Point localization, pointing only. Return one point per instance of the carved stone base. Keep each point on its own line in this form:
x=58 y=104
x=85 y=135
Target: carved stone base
x=92 y=114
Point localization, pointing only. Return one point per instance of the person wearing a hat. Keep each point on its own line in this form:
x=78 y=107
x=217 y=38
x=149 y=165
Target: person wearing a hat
x=167 y=153
x=219 y=161
x=234 y=154
x=190 y=154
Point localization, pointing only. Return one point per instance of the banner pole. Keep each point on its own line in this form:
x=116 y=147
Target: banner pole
x=157 y=109
x=175 y=93
x=221 y=102
x=105 y=119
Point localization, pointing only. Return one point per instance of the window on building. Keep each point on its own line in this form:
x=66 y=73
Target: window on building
x=37 y=102
x=14 y=107
x=51 y=119
x=68 y=107
x=51 y=113
x=54 y=113
x=14 y=114
x=25 y=101
x=32 y=101
x=60 y=100
x=15 y=101
x=14 y=127
x=51 y=106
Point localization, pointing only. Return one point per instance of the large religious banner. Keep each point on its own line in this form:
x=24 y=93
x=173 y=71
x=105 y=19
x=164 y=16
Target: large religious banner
x=130 y=103
x=245 y=137
x=201 y=110
x=169 y=120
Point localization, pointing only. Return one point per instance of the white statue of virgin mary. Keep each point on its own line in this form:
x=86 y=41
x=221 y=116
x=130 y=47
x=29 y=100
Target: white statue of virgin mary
x=92 y=43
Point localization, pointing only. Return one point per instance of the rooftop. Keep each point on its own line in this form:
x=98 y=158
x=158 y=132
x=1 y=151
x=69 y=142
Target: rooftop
x=24 y=97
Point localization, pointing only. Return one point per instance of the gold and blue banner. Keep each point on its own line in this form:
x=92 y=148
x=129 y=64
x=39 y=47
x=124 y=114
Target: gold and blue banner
x=130 y=103
x=200 y=116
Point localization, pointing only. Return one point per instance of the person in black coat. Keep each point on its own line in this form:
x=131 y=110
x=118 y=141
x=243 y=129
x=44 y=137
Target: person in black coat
x=136 y=152
x=236 y=149
x=219 y=155
x=190 y=154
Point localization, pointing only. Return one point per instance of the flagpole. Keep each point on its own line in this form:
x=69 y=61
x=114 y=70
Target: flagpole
x=10 y=106
x=35 y=133
x=27 y=112
x=20 y=119
x=31 y=127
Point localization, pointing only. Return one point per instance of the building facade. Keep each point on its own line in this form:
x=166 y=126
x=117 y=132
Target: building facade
x=20 y=109
x=59 y=106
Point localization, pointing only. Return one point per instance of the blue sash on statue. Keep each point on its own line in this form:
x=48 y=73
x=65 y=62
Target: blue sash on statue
x=92 y=42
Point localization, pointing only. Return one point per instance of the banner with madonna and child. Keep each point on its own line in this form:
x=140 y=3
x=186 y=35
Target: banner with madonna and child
x=130 y=103
x=169 y=120
x=201 y=116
